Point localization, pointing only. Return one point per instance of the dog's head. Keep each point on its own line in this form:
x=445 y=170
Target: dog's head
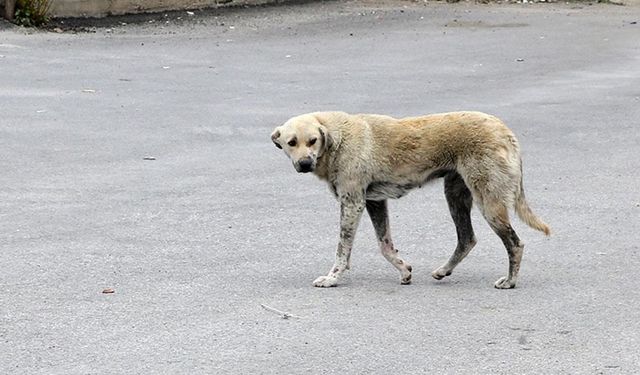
x=304 y=139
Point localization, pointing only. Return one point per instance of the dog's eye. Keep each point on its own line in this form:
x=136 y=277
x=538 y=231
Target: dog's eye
x=312 y=141
x=292 y=143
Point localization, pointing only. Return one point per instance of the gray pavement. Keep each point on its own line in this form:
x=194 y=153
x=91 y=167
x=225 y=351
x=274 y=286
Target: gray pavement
x=219 y=223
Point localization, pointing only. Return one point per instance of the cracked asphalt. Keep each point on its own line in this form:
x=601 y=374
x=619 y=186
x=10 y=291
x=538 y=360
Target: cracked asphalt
x=135 y=155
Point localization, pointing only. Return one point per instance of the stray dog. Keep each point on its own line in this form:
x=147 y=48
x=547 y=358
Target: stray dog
x=367 y=159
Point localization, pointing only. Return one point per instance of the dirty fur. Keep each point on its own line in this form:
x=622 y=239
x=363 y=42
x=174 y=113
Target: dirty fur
x=367 y=159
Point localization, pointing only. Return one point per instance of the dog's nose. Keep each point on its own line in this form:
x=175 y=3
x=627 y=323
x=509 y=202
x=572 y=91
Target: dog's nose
x=305 y=165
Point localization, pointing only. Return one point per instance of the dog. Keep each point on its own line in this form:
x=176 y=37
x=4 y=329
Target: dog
x=367 y=159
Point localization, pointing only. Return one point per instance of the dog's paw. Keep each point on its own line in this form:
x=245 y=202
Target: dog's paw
x=505 y=283
x=406 y=276
x=441 y=273
x=325 y=282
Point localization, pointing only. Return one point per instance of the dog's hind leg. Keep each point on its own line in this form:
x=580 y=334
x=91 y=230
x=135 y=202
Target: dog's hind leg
x=497 y=216
x=379 y=215
x=460 y=201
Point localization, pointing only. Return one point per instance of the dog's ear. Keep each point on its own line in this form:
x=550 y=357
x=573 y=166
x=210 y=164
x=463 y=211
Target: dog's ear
x=327 y=140
x=274 y=138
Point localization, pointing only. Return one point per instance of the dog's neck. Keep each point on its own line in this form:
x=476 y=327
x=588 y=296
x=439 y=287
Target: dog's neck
x=323 y=164
x=322 y=167
x=326 y=160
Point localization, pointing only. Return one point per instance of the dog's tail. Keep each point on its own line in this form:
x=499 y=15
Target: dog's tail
x=524 y=211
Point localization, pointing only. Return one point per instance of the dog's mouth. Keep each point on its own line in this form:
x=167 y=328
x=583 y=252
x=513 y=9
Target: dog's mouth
x=305 y=166
x=305 y=169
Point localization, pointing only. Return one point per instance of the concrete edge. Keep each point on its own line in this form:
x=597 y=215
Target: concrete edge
x=101 y=8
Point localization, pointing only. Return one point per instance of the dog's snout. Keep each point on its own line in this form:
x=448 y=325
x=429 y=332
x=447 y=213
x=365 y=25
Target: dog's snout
x=306 y=165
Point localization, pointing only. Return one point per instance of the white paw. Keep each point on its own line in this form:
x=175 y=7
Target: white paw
x=505 y=283
x=406 y=275
x=441 y=273
x=325 y=281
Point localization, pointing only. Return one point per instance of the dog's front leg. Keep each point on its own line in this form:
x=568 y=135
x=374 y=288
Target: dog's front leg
x=351 y=207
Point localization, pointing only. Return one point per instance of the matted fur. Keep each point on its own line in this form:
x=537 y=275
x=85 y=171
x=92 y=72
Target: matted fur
x=368 y=158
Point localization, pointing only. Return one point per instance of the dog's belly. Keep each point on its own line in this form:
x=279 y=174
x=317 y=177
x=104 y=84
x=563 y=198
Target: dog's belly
x=377 y=191
x=380 y=190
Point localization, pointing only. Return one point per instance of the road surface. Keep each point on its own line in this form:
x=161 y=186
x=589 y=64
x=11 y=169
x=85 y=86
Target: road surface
x=136 y=156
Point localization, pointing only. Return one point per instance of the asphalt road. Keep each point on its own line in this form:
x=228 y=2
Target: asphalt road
x=194 y=241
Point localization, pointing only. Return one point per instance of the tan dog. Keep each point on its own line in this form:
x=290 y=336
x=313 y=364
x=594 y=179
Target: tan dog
x=367 y=159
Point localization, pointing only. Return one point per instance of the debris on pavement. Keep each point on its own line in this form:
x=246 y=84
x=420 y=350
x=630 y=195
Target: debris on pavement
x=283 y=315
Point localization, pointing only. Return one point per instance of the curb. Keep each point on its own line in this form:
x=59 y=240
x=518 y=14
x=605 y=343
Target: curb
x=102 y=8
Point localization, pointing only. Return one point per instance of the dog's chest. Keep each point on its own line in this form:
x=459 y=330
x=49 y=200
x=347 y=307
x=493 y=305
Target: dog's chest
x=377 y=191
